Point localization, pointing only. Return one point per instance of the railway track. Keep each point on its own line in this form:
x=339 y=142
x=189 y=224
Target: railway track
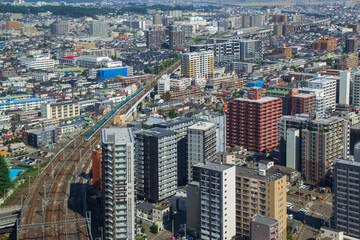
x=70 y=166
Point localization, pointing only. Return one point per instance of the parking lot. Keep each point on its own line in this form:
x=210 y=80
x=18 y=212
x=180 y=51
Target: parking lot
x=311 y=207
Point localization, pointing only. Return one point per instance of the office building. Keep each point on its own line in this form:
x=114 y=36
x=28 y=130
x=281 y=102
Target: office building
x=118 y=194
x=260 y=192
x=251 y=50
x=198 y=64
x=176 y=39
x=321 y=140
x=201 y=144
x=96 y=156
x=60 y=27
x=180 y=127
x=325 y=44
x=155 y=38
x=328 y=84
x=245 y=21
x=344 y=88
x=98 y=29
x=217 y=199
x=300 y=103
x=351 y=45
x=94 y=61
x=60 y=110
x=351 y=120
x=156 y=164
x=346 y=197
x=253 y=122
x=264 y=228
x=293 y=153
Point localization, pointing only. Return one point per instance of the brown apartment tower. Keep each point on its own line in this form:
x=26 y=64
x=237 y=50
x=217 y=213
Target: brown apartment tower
x=252 y=122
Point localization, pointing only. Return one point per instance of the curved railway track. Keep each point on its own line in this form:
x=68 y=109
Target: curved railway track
x=69 y=166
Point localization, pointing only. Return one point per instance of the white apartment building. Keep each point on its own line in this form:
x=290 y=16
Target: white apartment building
x=320 y=99
x=179 y=84
x=328 y=84
x=201 y=144
x=344 y=88
x=163 y=84
x=25 y=105
x=60 y=110
x=198 y=64
x=38 y=62
x=118 y=183
x=217 y=201
x=356 y=90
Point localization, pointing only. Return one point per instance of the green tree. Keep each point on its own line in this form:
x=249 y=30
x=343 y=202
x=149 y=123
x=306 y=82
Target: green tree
x=142 y=229
x=172 y=114
x=4 y=175
x=154 y=228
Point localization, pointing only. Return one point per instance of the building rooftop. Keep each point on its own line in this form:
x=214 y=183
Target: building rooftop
x=264 y=220
x=271 y=173
x=155 y=132
x=261 y=100
x=277 y=91
x=348 y=162
x=117 y=135
x=216 y=166
x=202 y=126
x=174 y=121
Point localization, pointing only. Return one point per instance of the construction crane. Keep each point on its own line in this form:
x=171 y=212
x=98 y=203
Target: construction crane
x=223 y=103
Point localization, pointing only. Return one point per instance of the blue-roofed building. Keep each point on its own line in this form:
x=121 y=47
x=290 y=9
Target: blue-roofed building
x=257 y=83
x=112 y=72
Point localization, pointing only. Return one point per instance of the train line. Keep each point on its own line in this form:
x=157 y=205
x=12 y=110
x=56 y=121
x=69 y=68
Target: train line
x=49 y=203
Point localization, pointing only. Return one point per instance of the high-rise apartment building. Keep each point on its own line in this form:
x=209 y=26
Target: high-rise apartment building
x=155 y=38
x=320 y=99
x=251 y=50
x=96 y=156
x=118 y=193
x=325 y=44
x=347 y=62
x=253 y=122
x=263 y=195
x=176 y=39
x=300 y=103
x=60 y=27
x=328 y=84
x=198 y=64
x=217 y=200
x=201 y=144
x=180 y=126
x=279 y=18
x=344 y=88
x=346 y=197
x=157 y=19
x=98 y=29
x=351 y=45
x=156 y=164
x=321 y=140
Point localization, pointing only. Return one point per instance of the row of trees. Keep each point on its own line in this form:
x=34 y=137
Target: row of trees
x=70 y=11
x=4 y=175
